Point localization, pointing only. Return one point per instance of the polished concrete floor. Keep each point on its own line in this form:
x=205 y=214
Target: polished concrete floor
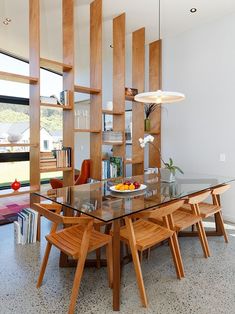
x=208 y=288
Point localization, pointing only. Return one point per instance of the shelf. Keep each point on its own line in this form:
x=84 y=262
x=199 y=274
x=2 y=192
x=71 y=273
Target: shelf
x=55 y=169
x=23 y=190
x=152 y=132
x=132 y=162
x=56 y=106
x=17 y=78
x=112 y=112
x=113 y=143
x=86 y=90
x=55 y=65
x=87 y=130
x=17 y=145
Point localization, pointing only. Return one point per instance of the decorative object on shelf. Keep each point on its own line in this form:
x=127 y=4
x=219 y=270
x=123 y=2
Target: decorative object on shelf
x=148 y=109
x=15 y=185
x=131 y=91
x=53 y=100
x=167 y=173
x=112 y=168
x=159 y=97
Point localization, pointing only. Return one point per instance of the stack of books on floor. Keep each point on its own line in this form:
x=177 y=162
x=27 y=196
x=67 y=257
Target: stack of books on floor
x=112 y=168
x=26 y=227
x=63 y=157
x=47 y=160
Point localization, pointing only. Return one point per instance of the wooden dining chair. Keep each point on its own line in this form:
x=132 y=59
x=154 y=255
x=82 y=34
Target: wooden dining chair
x=142 y=234
x=187 y=216
x=75 y=241
x=214 y=208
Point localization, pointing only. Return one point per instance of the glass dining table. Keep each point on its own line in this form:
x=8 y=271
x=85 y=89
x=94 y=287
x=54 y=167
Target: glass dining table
x=98 y=201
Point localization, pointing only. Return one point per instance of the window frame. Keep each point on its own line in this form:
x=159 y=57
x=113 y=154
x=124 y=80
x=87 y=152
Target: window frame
x=18 y=156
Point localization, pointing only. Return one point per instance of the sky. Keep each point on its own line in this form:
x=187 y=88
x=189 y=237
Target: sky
x=51 y=84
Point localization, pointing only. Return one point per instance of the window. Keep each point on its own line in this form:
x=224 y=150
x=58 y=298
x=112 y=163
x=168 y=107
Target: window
x=14 y=121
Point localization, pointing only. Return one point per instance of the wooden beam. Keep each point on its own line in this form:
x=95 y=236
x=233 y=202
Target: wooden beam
x=34 y=91
x=96 y=83
x=68 y=83
x=86 y=90
x=138 y=81
x=18 y=78
x=155 y=83
x=119 y=29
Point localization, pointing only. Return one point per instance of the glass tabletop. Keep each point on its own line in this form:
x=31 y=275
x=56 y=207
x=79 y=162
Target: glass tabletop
x=98 y=201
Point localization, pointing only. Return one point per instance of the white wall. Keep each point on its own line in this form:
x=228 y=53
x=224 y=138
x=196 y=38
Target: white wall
x=201 y=64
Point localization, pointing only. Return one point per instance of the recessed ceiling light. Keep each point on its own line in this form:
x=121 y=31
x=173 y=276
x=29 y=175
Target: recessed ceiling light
x=5 y=23
x=8 y=20
x=193 y=10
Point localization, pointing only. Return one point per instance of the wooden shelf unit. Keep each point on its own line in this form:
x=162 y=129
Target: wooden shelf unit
x=138 y=81
x=17 y=145
x=86 y=90
x=87 y=131
x=110 y=112
x=155 y=83
x=55 y=106
x=119 y=59
x=64 y=169
x=55 y=66
x=6 y=76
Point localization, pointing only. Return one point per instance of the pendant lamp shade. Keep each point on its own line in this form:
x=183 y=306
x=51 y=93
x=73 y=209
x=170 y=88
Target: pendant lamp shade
x=159 y=97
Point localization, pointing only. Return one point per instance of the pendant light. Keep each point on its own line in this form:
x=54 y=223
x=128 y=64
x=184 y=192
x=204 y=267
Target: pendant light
x=159 y=97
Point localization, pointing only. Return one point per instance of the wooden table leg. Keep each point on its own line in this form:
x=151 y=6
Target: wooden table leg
x=116 y=265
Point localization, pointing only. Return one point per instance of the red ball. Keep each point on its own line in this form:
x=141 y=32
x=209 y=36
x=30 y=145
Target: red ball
x=15 y=185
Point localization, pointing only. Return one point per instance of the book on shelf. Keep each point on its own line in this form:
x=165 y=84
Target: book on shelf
x=25 y=229
x=63 y=157
x=64 y=97
x=47 y=160
x=112 y=168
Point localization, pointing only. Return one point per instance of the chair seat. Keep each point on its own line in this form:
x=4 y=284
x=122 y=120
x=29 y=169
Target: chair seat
x=69 y=240
x=147 y=234
x=206 y=209
x=183 y=219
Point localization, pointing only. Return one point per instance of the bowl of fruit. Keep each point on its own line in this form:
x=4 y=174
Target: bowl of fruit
x=128 y=187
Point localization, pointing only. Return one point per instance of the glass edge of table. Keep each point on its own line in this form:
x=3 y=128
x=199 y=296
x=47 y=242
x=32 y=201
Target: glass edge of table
x=135 y=212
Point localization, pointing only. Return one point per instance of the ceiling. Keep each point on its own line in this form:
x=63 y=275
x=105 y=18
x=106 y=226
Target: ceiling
x=175 y=17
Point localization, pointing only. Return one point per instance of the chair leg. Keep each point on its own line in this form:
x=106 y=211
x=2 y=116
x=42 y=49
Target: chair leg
x=39 y=228
x=178 y=254
x=221 y=221
x=76 y=284
x=109 y=256
x=98 y=251
x=205 y=238
x=44 y=264
x=172 y=247
x=136 y=262
x=201 y=239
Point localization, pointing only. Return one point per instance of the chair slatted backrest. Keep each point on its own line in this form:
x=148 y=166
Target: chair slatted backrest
x=196 y=199
x=164 y=212
x=216 y=192
x=55 y=217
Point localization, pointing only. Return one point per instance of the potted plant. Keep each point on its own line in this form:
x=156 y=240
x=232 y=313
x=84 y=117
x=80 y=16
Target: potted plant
x=148 y=109
x=169 y=171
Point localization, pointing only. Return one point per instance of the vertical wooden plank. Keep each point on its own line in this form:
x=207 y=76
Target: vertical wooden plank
x=96 y=82
x=68 y=82
x=119 y=26
x=34 y=91
x=138 y=81
x=155 y=83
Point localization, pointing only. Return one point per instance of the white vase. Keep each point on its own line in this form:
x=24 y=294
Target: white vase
x=167 y=175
